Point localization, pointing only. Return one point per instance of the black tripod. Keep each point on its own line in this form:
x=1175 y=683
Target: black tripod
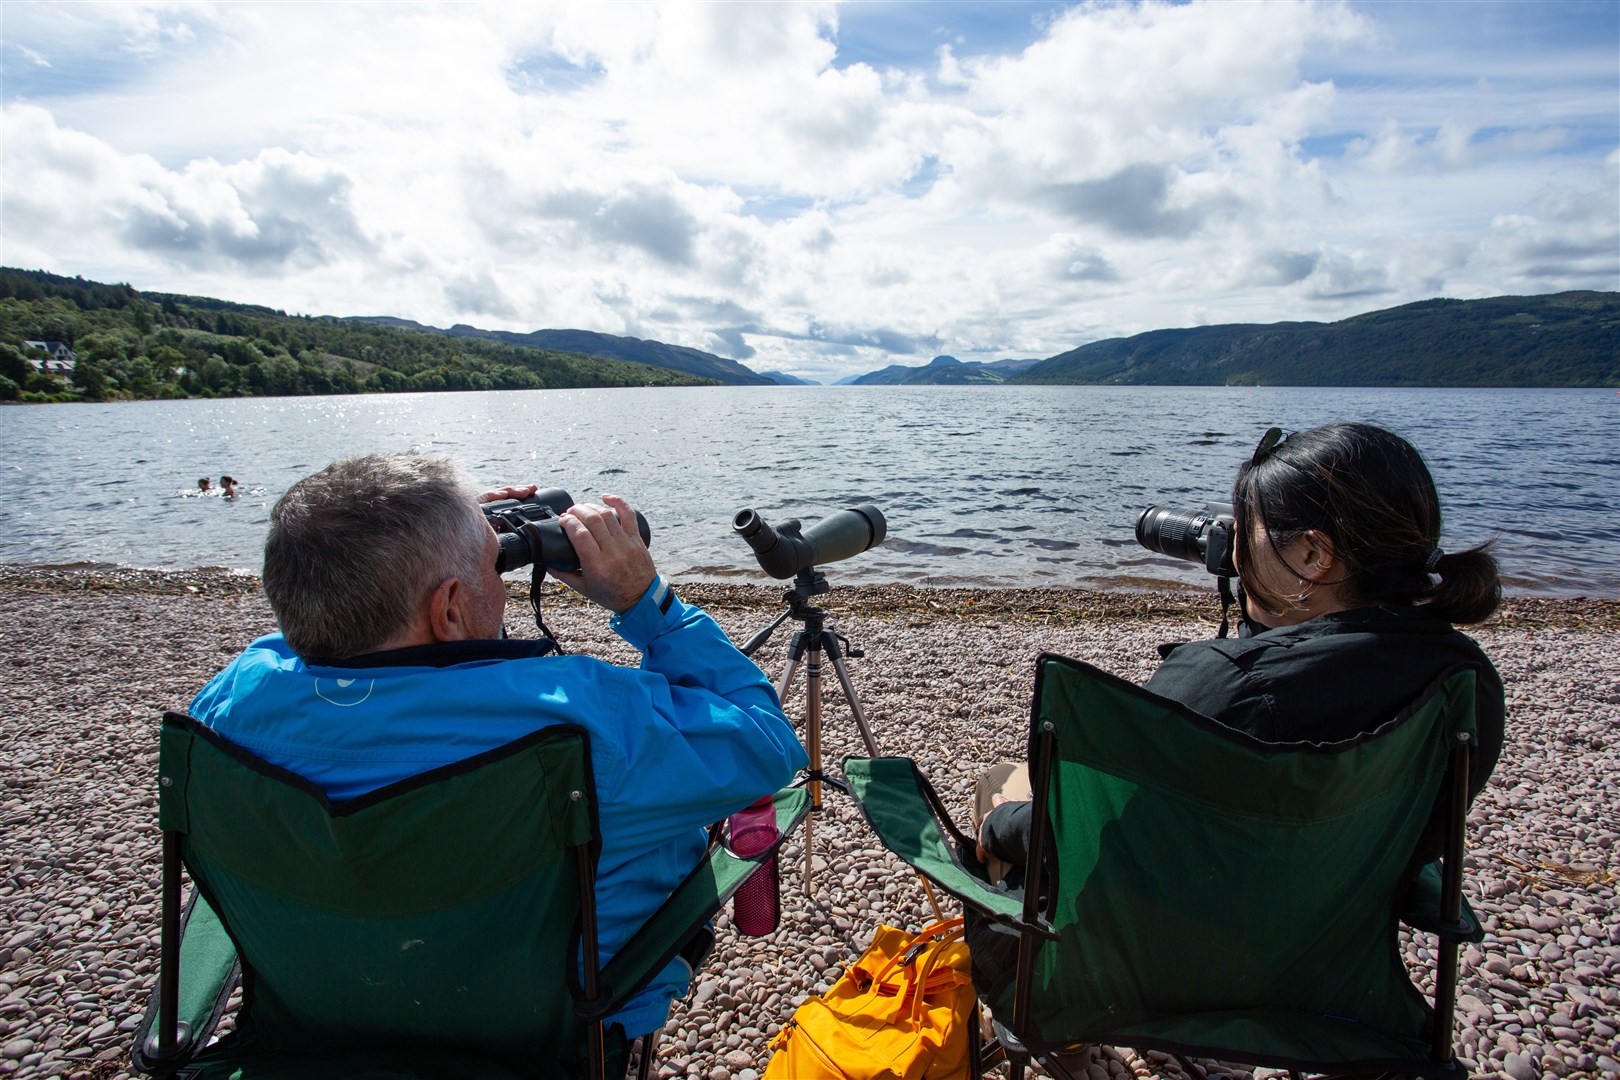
x=808 y=645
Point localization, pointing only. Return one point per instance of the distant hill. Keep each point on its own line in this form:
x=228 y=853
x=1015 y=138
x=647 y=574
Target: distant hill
x=135 y=345
x=1563 y=339
x=943 y=371
x=632 y=350
x=782 y=378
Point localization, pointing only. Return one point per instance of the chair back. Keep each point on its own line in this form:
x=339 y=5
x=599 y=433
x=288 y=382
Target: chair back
x=437 y=913
x=1215 y=892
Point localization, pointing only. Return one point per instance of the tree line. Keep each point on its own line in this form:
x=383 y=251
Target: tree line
x=131 y=345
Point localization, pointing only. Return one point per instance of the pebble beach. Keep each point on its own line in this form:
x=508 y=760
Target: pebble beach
x=92 y=658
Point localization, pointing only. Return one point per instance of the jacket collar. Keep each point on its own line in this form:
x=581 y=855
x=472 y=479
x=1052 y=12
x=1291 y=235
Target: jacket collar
x=446 y=654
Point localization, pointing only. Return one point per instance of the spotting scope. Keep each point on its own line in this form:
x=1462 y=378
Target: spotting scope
x=784 y=551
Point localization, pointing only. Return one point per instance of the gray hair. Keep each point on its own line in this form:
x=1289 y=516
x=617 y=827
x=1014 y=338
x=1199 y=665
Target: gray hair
x=354 y=548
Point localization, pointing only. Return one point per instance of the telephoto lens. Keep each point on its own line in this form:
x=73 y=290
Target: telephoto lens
x=1200 y=536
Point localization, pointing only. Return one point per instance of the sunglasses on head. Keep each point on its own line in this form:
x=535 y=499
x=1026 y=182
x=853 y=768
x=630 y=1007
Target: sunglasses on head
x=1272 y=439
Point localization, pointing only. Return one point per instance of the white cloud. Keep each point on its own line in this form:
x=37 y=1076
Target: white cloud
x=724 y=176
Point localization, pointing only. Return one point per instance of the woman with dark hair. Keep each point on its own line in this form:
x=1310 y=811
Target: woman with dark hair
x=1348 y=601
x=1348 y=598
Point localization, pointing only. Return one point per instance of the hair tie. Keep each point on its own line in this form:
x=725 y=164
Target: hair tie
x=1433 y=560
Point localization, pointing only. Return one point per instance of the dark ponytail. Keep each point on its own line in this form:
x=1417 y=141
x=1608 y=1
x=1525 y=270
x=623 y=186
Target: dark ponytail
x=1369 y=491
x=1470 y=588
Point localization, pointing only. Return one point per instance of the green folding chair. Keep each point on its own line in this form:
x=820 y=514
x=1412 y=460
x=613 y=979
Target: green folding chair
x=1208 y=895
x=444 y=925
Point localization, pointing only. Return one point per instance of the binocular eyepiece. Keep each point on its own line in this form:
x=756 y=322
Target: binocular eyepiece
x=786 y=550
x=529 y=531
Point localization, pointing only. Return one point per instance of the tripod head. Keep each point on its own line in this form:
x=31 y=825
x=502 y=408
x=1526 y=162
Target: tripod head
x=807 y=583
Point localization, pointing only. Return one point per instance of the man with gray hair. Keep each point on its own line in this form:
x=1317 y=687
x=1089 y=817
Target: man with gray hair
x=391 y=660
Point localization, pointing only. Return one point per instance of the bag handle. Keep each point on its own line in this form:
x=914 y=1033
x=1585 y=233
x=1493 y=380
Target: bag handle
x=949 y=930
x=919 y=999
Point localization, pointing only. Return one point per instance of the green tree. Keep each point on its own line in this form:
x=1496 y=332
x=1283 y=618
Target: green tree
x=12 y=364
x=91 y=379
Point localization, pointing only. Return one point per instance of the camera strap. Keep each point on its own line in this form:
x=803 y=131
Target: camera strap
x=1224 y=585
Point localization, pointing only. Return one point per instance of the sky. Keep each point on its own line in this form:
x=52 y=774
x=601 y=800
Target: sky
x=817 y=189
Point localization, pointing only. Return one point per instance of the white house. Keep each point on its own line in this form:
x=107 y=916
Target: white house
x=58 y=361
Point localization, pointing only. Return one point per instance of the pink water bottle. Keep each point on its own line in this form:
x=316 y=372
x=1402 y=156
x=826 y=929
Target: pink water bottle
x=755 y=906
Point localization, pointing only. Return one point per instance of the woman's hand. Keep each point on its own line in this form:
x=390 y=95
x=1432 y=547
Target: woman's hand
x=984 y=856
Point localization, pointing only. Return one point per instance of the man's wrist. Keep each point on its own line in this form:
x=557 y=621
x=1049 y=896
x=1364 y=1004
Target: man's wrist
x=647 y=617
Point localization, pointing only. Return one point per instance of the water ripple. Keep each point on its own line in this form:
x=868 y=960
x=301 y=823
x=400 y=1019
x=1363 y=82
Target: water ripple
x=981 y=485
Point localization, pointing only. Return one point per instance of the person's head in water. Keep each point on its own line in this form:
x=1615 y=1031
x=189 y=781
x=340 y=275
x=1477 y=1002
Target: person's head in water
x=227 y=484
x=205 y=484
x=1346 y=516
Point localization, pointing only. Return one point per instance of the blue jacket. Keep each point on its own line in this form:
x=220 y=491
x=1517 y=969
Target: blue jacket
x=693 y=735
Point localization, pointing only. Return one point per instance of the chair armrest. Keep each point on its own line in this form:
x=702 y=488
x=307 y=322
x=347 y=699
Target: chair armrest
x=906 y=814
x=688 y=909
x=209 y=972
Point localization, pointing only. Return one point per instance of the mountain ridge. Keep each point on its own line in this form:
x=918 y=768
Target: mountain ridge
x=704 y=365
x=1555 y=339
x=943 y=371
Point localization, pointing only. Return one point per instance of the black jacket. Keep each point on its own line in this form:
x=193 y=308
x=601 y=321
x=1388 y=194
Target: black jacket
x=1325 y=680
x=1332 y=678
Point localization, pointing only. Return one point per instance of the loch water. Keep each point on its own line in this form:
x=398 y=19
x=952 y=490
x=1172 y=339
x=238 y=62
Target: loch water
x=981 y=486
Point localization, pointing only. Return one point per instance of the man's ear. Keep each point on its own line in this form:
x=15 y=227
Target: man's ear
x=1317 y=556
x=446 y=620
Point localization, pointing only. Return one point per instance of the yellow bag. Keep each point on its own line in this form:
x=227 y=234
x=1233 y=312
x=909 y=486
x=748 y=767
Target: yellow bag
x=901 y=1012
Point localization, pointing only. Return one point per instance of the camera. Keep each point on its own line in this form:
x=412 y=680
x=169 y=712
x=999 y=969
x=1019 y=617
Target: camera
x=1200 y=536
x=529 y=531
x=785 y=551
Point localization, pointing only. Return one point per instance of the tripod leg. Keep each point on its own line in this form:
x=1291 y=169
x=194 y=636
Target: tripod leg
x=812 y=746
x=786 y=680
x=854 y=702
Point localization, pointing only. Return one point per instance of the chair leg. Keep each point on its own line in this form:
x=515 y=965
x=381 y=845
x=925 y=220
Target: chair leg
x=1191 y=1069
x=649 y=1051
x=975 y=1041
x=1057 y=1069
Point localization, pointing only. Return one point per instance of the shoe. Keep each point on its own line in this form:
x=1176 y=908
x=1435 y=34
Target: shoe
x=1075 y=1059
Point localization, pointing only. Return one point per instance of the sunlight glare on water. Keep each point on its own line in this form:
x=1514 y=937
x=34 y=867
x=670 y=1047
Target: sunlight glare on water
x=997 y=486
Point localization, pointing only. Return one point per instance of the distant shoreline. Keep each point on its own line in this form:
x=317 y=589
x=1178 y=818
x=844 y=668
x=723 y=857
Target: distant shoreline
x=1053 y=606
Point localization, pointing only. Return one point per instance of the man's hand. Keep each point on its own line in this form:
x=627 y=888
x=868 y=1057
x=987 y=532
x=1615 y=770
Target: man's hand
x=614 y=566
x=516 y=491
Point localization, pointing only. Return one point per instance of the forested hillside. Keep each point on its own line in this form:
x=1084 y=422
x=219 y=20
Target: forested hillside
x=132 y=344
x=1563 y=339
x=704 y=365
